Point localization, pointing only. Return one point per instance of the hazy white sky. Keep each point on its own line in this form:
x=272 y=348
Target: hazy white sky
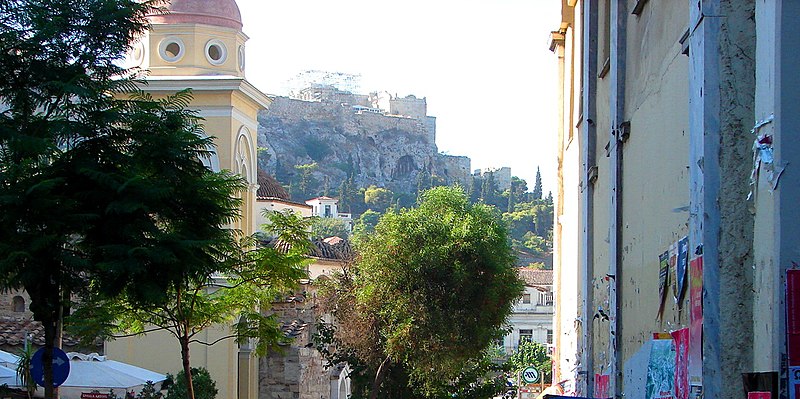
x=483 y=65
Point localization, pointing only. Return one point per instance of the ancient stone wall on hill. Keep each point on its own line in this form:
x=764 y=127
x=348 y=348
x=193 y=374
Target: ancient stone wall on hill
x=344 y=139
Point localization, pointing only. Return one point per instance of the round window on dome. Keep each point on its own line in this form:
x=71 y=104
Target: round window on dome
x=171 y=49
x=241 y=58
x=216 y=53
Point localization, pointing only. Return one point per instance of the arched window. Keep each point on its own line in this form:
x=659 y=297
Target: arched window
x=19 y=304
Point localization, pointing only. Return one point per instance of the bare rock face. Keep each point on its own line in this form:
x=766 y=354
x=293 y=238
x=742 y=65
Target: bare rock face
x=348 y=138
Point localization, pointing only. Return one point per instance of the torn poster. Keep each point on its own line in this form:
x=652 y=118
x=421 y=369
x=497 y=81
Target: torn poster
x=681 y=338
x=663 y=281
x=695 y=360
x=601 y=385
x=673 y=268
x=681 y=269
x=661 y=370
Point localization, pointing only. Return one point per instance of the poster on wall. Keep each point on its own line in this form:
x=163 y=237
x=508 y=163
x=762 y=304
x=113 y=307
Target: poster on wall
x=681 y=338
x=663 y=281
x=794 y=382
x=681 y=268
x=695 y=359
x=793 y=316
x=601 y=385
x=661 y=370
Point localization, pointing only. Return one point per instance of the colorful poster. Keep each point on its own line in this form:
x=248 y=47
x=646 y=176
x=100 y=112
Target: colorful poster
x=681 y=338
x=680 y=271
x=794 y=382
x=661 y=370
x=601 y=385
x=695 y=359
x=673 y=267
x=793 y=316
x=663 y=281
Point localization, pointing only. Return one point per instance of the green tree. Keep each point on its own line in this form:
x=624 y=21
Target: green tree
x=204 y=385
x=378 y=198
x=366 y=223
x=96 y=190
x=537 y=187
x=329 y=227
x=431 y=290
x=304 y=184
x=228 y=294
x=24 y=370
x=533 y=354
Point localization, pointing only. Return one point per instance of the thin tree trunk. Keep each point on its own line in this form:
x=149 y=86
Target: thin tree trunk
x=376 y=384
x=47 y=356
x=187 y=370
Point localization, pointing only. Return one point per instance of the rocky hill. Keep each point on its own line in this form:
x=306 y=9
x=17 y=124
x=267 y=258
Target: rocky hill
x=374 y=139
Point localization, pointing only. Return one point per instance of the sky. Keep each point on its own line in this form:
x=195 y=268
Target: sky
x=484 y=66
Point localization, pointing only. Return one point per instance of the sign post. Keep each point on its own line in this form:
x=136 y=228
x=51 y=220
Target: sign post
x=60 y=367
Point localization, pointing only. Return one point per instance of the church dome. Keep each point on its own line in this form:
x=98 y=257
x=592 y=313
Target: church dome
x=223 y=13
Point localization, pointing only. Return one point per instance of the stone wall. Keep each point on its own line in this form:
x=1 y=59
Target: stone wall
x=298 y=370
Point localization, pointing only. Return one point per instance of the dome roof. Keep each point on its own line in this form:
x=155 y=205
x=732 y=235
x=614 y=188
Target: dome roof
x=223 y=13
x=268 y=187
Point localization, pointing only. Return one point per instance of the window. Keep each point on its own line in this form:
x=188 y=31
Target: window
x=216 y=52
x=604 y=47
x=525 y=336
x=526 y=298
x=550 y=337
x=19 y=304
x=171 y=49
x=240 y=54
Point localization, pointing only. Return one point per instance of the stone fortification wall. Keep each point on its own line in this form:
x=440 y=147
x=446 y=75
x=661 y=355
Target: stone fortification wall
x=409 y=106
x=457 y=166
x=346 y=140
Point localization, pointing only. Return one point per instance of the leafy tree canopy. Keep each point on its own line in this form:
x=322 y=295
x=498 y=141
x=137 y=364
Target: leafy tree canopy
x=98 y=191
x=534 y=354
x=329 y=227
x=378 y=198
x=431 y=290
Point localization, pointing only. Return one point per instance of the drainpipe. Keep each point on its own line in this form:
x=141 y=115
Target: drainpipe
x=589 y=171
x=619 y=131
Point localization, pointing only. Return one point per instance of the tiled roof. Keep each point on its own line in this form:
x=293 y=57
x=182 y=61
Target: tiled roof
x=330 y=250
x=13 y=330
x=268 y=187
x=293 y=328
x=533 y=276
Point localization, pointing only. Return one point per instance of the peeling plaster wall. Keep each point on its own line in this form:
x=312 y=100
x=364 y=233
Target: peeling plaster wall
x=766 y=276
x=737 y=62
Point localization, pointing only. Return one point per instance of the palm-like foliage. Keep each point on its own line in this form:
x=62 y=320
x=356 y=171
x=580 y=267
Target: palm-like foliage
x=100 y=194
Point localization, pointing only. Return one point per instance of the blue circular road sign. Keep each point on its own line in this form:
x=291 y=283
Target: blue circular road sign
x=60 y=367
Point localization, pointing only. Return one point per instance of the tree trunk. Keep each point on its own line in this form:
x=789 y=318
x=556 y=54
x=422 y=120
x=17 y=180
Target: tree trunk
x=376 y=384
x=187 y=370
x=49 y=325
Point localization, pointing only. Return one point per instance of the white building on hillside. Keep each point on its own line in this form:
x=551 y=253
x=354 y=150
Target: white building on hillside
x=532 y=317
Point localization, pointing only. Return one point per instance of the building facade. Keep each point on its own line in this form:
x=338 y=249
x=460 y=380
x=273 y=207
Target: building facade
x=673 y=217
x=532 y=316
x=199 y=45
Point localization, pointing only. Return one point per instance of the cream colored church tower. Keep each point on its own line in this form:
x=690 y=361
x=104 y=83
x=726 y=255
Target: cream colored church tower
x=200 y=45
